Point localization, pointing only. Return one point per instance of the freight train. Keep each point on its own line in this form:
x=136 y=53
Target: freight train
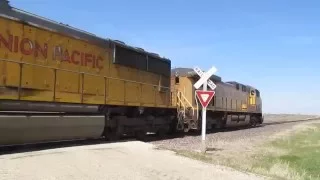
x=61 y=83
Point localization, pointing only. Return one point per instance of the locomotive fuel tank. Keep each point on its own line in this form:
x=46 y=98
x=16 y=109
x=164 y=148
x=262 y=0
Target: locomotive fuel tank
x=26 y=129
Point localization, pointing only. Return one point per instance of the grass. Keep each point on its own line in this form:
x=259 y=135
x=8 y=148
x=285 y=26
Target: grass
x=300 y=157
x=295 y=156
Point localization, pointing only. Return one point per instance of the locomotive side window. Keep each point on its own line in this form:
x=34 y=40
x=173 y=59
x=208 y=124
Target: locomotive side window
x=237 y=86
x=244 y=88
x=142 y=61
x=257 y=93
x=159 y=66
x=177 y=80
x=131 y=58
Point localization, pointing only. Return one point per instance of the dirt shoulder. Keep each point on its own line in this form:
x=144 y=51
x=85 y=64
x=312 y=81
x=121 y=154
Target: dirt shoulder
x=126 y=160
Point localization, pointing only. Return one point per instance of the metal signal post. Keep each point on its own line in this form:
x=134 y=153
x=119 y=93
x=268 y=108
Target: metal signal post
x=205 y=97
x=204 y=122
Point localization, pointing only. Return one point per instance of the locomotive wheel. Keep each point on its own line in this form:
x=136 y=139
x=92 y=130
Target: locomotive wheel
x=250 y=123
x=186 y=127
x=180 y=126
x=220 y=124
x=140 y=135
x=113 y=137
x=112 y=134
x=193 y=124
x=253 y=122
x=162 y=132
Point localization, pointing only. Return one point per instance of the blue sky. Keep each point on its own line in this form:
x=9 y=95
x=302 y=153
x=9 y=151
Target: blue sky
x=273 y=45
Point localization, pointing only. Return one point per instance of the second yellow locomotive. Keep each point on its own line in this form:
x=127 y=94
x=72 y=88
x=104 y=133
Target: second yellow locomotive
x=234 y=104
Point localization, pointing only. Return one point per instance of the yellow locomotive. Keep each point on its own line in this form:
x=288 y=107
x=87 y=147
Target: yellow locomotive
x=234 y=104
x=59 y=83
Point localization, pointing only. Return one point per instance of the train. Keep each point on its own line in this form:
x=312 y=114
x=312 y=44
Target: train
x=61 y=83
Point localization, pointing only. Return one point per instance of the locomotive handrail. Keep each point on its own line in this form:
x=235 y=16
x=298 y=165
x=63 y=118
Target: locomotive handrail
x=195 y=97
x=181 y=103
x=21 y=63
x=81 y=72
x=185 y=99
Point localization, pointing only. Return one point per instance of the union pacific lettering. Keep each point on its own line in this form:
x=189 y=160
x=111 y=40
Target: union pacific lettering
x=28 y=47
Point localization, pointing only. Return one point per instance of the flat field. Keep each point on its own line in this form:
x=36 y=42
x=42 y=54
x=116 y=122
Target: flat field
x=286 y=147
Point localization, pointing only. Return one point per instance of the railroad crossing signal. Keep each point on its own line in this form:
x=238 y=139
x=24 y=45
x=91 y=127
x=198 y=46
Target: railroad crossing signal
x=204 y=97
x=205 y=77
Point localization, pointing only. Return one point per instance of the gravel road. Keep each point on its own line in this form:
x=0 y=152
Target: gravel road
x=125 y=160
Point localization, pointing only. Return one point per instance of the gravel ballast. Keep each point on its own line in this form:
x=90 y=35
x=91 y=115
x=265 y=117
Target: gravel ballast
x=231 y=139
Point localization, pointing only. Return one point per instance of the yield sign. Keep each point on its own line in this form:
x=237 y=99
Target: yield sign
x=204 y=97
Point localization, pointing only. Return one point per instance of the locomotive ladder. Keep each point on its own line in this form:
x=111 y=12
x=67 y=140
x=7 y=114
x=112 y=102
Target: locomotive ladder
x=183 y=109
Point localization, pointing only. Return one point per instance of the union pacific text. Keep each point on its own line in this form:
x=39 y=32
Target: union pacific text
x=28 y=47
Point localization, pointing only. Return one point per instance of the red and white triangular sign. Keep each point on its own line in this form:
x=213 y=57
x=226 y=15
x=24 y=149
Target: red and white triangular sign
x=204 y=97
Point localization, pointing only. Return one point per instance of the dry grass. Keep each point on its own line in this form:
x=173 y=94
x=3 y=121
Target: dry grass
x=280 y=170
x=290 y=154
x=287 y=117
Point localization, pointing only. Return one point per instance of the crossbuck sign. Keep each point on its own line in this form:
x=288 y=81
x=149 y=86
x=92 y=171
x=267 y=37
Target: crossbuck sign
x=205 y=77
x=204 y=96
